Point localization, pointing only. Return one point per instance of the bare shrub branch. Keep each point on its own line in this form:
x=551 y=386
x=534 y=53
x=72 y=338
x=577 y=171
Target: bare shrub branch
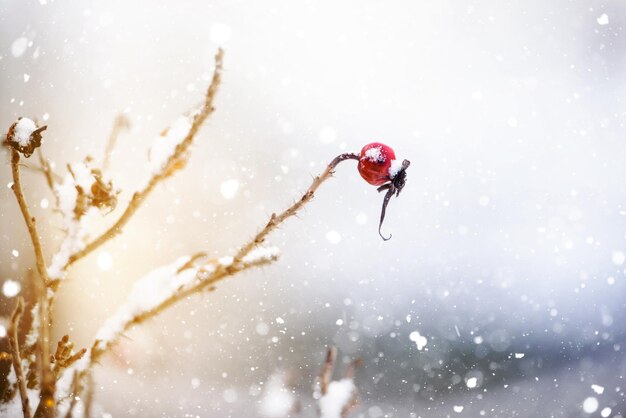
x=46 y=405
x=15 y=355
x=120 y=124
x=327 y=370
x=276 y=220
x=72 y=371
x=175 y=161
x=336 y=398
x=64 y=356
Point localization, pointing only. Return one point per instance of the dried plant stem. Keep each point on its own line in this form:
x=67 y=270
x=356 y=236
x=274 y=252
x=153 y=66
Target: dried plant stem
x=205 y=281
x=46 y=405
x=202 y=283
x=74 y=396
x=46 y=170
x=30 y=221
x=327 y=371
x=16 y=358
x=355 y=364
x=170 y=165
x=326 y=378
x=88 y=398
x=238 y=263
x=120 y=124
x=276 y=220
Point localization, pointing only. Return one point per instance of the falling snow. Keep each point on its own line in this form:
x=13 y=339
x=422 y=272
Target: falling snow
x=11 y=288
x=229 y=188
x=18 y=47
x=419 y=340
x=501 y=291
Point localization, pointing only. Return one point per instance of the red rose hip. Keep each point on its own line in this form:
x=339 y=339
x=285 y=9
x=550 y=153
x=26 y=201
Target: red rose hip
x=374 y=163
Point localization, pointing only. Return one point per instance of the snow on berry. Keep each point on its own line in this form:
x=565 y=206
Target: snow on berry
x=374 y=163
x=374 y=154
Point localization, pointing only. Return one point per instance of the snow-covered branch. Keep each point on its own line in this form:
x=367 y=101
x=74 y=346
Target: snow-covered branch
x=336 y=397
x=81 y=193
x=153 y=294
x=169 y=284
x=277 y=219
x=63 y=379
x=46 y=405
x=169 y=154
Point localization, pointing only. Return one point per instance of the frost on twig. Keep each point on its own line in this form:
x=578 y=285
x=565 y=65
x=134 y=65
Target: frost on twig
x=162 y=154
x=152 y=294
x=147 y=293
x=336 y=398
x=82 y=191
x=169 y=284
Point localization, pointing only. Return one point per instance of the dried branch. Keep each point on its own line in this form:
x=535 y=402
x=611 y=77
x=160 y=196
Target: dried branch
x=80 y=193
x=74 y=396
x=337 y=397
x=352 y=367
x=175 y=161
x=48 y=173
x=63 y=357
x=88 y=398
x=30 y=221
x=46 y=169
x=276 y=220
x=15 y=353
x=46 y=405
x=205 y=277
x=220 y=271
x=327 y=370
x=120 y=124
x=202 y=277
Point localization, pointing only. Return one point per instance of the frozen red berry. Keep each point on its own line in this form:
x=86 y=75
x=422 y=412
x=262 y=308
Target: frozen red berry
x=374 y=163
x=378 y=166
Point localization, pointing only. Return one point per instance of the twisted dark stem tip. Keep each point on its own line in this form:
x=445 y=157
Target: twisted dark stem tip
x=390 y=192
x=395 y=186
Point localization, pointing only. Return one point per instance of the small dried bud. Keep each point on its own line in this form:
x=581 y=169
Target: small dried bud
x=102 y=194
x=24 y=136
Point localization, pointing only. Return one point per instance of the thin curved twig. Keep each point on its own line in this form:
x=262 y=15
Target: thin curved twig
x=120 y=124
x=390 y=192
x=46 y=404
x=276 y=220
x=15 y=355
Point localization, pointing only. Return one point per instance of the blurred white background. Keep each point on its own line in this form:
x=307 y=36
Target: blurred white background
x=508 y=238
